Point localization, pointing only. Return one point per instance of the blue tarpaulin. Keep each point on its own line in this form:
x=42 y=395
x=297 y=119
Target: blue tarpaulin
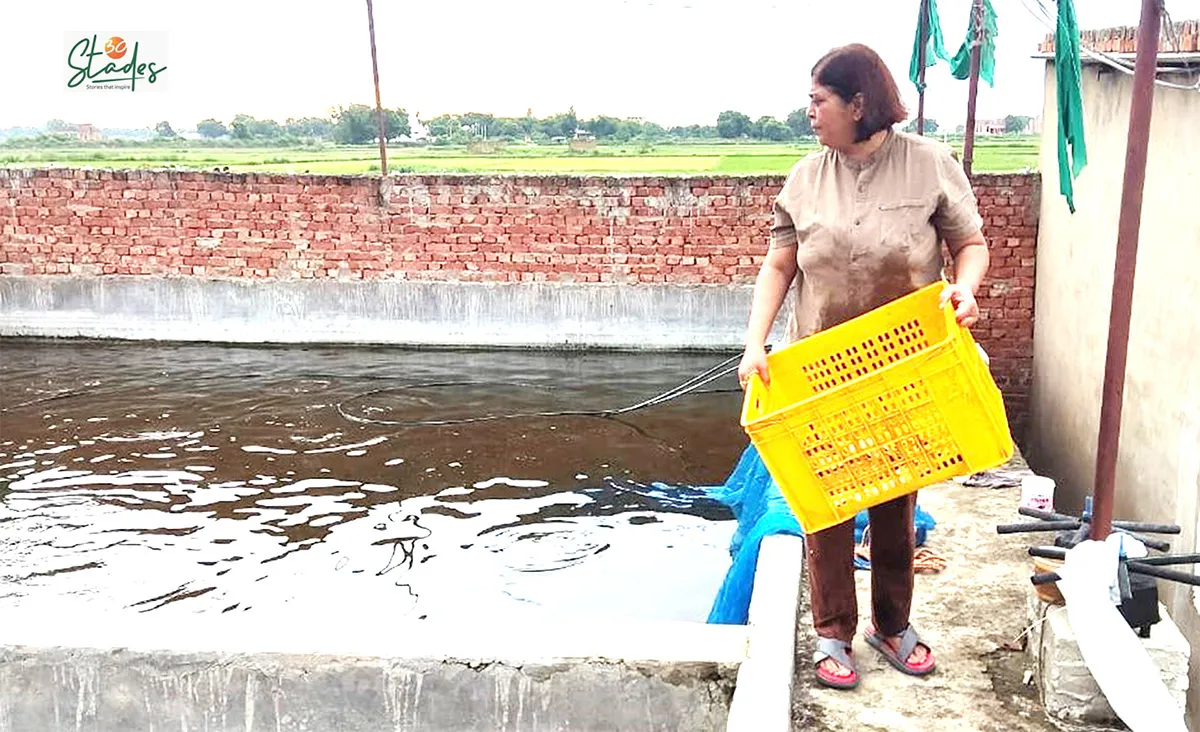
x=761 y=511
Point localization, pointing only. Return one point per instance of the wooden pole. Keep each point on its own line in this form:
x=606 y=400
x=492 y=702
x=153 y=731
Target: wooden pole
x=378 y=103
x=923 y=34
x=973 y=86
x=1113 y=394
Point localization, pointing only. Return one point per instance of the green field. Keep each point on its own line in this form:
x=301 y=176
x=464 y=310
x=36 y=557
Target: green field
x=992 y=155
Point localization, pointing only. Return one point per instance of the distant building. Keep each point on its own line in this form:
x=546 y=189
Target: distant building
x=583 y=141
x=990 y=127
x=88 y=133
x=417 y=129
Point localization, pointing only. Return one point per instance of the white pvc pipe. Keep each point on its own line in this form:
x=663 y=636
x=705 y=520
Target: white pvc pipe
x=1118 y=661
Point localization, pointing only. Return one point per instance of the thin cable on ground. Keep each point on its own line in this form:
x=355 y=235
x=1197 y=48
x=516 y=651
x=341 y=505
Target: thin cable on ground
x=691 y=385
x=1046 y=611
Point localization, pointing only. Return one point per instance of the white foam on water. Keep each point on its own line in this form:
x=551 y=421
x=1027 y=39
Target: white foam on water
x=342 y=448
x=268 y=450
x=514 y=482
x=147 y=437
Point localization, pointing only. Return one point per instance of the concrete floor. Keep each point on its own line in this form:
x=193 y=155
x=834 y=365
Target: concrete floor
x=972 y=614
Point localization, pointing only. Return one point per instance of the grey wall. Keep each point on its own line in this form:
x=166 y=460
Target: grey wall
x=382 y=311
x=115 y=690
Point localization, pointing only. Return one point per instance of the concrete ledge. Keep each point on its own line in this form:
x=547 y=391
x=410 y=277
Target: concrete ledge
x=133 y=671
x=1069 y=692
x=762 y=701
x=112 y=673
x=400 y=312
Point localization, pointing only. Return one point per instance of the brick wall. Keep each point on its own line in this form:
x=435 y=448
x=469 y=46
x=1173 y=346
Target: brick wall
x=466 y=228
x=1009 y=205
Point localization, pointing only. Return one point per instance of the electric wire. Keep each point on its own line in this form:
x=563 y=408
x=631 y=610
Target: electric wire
x=1049 y=20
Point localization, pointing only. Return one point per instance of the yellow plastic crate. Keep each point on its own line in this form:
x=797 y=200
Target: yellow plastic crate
x=878 y=407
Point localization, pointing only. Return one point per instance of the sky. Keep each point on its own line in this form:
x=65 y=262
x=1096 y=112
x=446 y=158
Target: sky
x=668 y=61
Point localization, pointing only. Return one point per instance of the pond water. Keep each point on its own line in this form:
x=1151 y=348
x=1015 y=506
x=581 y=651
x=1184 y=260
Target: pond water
x=291 y=484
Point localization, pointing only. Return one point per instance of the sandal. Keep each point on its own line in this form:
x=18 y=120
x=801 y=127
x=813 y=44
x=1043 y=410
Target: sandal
x=839 y=651
x=909 y=640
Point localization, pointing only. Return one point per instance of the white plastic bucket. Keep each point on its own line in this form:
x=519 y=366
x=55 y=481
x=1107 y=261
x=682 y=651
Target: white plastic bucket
x=1037 y=492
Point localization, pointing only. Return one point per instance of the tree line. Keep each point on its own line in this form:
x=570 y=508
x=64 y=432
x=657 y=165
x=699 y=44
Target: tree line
x=357 y=124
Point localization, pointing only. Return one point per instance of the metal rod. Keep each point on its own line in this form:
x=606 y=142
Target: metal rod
x=1171 y=575
x=1059 y=521
x=1174 y=575
x=1053 y=552
x=1047 y=552
x=973 y=86
x=378 y=103
x=1109 y=440
x=1149 y=566
x=1170 y=559
x=1045 y=515
x=923 y=33
x=1126 y=525
x=1038 y=526
x=1147 y=528
x=1158 y=544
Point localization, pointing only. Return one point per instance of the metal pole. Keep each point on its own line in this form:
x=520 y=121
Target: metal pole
x=1109 y=440
x=923 y=33
x=973 y=88
x=378 y=104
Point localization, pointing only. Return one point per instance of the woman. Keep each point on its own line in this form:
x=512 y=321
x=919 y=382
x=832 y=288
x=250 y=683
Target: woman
x=857 y=225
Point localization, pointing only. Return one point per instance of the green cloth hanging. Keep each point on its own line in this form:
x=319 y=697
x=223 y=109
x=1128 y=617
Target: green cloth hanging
x=935 y=47
x=960 y=65
x=1067 y=74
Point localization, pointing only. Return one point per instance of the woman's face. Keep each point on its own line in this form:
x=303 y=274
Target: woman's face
x=834 y=121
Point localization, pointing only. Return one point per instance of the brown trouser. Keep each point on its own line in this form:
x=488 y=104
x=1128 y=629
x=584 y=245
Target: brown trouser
x=831 y=572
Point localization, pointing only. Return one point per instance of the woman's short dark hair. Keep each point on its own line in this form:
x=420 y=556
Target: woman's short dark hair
x=856 y=69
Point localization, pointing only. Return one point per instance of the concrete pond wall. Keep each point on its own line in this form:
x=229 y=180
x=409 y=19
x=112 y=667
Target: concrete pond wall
x=131 y=671
x=120 y=676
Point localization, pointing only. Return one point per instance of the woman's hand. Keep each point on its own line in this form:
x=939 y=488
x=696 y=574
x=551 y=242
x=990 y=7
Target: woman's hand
x=754 y=360
x=966 y=309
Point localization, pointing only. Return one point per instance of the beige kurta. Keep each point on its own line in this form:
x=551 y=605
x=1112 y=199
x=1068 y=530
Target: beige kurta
x=867 y=232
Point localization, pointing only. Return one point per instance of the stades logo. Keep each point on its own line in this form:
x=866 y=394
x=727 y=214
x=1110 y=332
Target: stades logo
x=115 y=47
x=115 y=62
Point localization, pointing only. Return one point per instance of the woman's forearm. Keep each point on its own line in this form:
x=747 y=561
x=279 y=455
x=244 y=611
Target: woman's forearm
x=770 y=289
